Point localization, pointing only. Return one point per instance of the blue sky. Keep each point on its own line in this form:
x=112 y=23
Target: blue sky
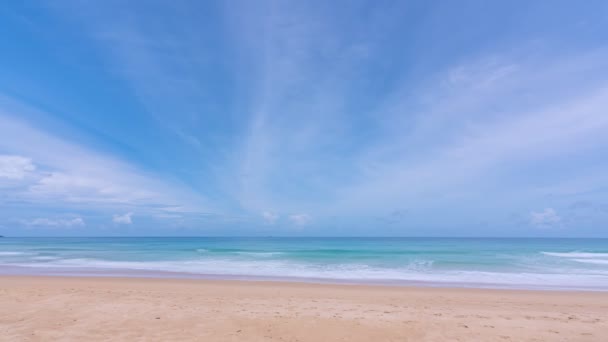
x=409 y=118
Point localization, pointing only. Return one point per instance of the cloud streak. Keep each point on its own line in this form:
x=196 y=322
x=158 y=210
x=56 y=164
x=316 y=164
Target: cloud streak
x=122 y=219
x=300 y=219
x=58 y=223
x=302 y=109
x=49 y=171
x=270 y=218
x=545 y=219
x=15 y=167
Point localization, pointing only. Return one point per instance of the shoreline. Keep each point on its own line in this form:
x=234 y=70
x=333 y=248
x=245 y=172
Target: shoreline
x=546 y=264
x=118 y=308
x=25 y=271
x=296 y=282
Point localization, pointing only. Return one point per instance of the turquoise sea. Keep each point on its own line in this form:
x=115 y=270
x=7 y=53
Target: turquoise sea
x=468 y=262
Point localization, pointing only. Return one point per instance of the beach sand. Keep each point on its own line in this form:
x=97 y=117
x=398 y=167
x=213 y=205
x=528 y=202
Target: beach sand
x=92 y=309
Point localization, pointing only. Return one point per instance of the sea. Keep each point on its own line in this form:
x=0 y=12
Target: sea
x=515 y=263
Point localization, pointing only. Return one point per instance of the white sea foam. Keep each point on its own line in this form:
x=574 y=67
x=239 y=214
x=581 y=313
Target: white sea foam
x=593 y=261
x=260 y=254
x=417 y=271
x=12 y=253
x=419 y=265
x=45 y=258
x=577 y=255
x=253 y=254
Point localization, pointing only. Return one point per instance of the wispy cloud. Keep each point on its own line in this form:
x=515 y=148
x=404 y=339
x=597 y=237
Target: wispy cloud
x=52 y=222
x=161 y=57
x=122 y=219
x=63 y=173
x=15 y=167
x=545 y=219
x=269 y=217
x=299 y=108
x=471 y=119
x=300 y=219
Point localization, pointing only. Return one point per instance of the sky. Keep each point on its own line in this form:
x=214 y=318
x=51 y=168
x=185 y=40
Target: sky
x=304 y=118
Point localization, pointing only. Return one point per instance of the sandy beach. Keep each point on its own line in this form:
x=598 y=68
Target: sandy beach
x=94 y=309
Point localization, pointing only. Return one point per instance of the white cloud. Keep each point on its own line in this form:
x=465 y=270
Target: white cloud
x=49 y=222
x=545 y=219
x=477 y=143
x=300 y=219
x=123 y=219
x=49 y=171
x=455 y=131
x=478 y=120
x=270 y=218
x=15 y=167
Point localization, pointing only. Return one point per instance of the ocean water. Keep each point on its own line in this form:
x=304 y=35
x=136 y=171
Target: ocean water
x=467 y=262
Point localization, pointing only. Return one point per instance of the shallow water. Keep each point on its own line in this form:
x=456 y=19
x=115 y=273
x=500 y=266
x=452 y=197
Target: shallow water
x=472 y=262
